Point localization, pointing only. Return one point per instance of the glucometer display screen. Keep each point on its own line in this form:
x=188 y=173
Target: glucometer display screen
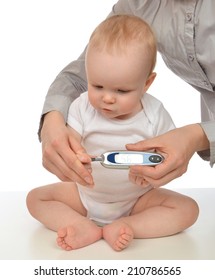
x=128 y=158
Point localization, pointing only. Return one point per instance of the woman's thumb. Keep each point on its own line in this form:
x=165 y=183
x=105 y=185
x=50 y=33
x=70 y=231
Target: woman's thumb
x=139 y=146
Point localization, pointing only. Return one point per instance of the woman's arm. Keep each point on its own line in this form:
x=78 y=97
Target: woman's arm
x=60 y=149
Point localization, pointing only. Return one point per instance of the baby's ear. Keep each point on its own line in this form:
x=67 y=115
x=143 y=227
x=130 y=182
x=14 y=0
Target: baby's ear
x=149 y=81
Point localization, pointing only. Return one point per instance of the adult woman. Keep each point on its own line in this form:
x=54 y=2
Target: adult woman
x=186 y=42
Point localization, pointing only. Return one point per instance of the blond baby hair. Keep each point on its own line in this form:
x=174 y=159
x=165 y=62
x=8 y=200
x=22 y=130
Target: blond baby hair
x=116 y=33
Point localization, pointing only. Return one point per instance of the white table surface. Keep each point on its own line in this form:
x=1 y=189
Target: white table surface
x=23 y=238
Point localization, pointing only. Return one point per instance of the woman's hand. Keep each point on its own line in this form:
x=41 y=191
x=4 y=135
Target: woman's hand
x=177 y=146
x=63 y=155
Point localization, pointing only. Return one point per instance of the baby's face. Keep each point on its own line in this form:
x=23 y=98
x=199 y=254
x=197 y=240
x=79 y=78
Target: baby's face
x=116 y=82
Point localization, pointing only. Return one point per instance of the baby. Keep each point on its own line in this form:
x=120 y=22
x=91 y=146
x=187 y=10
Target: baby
x=116 y=110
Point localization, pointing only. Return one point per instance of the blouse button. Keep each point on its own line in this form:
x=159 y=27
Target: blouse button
x=191 y=57
x=189 y=17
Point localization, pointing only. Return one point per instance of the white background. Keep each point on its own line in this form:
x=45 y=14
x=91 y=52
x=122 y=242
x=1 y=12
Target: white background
x=39 y=38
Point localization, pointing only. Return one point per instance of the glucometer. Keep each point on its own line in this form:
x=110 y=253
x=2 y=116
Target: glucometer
x=125 y=159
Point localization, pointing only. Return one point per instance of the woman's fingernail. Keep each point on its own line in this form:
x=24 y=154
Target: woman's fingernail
x=81 y=158
x=88 y=180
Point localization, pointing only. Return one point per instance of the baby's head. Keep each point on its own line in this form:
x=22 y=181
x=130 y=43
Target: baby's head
x=120 y=59
x=118 y=34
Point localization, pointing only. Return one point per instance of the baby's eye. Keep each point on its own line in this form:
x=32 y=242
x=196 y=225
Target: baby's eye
x=122 y=91
x=98 y=86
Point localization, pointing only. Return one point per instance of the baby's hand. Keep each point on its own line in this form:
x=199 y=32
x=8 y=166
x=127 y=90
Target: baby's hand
x=140 y=181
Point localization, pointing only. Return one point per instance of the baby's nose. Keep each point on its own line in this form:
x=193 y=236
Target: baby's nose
x=109 y=97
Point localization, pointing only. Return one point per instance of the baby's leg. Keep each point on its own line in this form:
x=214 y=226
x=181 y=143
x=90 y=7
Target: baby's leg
x=162 y=212
x=159 y=212
x=58 y=207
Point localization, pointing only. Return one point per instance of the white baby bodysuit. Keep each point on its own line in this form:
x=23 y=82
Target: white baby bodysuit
x=113 y=195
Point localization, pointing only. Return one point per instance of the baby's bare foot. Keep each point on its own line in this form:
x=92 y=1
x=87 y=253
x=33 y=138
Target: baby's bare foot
x=78 y=235
x=118 y=235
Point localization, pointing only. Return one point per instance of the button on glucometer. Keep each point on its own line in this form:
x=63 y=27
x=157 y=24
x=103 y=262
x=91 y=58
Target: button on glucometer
x=155 y=158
